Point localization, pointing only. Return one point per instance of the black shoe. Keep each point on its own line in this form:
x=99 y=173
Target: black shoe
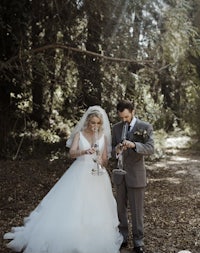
x=138 y=250
x=124 y=245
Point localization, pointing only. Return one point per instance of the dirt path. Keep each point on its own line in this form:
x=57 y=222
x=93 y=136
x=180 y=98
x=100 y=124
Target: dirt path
x=172 y=207
x=173 y=201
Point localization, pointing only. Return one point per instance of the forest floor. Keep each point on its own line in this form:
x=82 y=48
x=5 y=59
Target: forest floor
x=172 y=204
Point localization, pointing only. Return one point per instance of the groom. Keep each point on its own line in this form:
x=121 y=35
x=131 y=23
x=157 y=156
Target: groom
x=130 y=187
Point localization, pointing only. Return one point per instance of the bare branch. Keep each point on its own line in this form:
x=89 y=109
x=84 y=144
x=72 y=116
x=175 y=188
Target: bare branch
x=64 y=47
x=54 y=46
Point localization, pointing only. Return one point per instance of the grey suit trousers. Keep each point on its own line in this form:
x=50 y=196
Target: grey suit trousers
x=135 y=198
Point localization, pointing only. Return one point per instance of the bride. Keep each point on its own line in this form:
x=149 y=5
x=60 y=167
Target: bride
x=79 y=213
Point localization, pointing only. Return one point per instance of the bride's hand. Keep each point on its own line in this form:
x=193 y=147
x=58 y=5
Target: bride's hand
x=90 y=151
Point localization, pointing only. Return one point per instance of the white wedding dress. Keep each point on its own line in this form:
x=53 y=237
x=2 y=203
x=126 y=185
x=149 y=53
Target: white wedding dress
x=78 y=215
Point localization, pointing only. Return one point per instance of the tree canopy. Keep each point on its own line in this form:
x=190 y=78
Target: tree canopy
x=59 y=57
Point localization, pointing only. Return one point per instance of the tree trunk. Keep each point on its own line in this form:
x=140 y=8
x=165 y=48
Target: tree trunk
x=37 y=66
x=89 y=68
x=4 y=116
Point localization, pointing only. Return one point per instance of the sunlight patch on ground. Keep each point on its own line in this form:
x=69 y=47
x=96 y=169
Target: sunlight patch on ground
x=175 y=162
x=169 y=179
x=182 y=172
x=179 y=159
x=177 y=142
x=184 y=159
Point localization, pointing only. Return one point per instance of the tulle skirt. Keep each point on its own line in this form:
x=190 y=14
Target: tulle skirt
x=78 y=215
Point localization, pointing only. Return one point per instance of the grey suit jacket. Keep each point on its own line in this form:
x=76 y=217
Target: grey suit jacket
x=142 y=136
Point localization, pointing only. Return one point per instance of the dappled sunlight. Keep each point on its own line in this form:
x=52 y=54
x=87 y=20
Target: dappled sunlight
x=171 y=180
x=178 y=158
x=177 y=142
x=181 y=172
x=184 y=159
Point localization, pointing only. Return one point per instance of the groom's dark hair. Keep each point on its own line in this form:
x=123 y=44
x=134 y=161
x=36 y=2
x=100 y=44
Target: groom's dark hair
x=125 y=104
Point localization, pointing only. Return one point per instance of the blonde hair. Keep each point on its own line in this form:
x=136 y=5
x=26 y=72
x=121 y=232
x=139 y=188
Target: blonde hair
x=94 y=114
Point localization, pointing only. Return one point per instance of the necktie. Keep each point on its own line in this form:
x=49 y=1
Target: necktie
x=129 y=128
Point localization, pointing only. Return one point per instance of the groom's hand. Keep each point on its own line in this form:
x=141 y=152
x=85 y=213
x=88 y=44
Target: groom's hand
x=128 y=144
x=119 y=148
